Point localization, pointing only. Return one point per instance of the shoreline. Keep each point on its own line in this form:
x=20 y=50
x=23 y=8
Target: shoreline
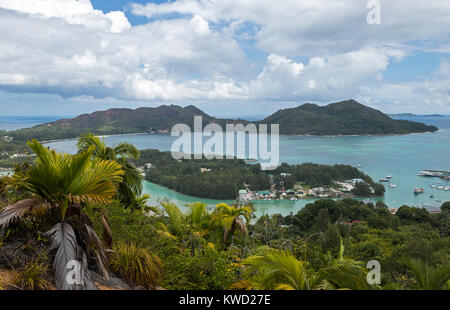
x=286 y=135
x=272 y=200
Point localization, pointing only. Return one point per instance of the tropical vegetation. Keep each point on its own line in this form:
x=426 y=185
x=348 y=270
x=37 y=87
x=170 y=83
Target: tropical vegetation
x=60 y=209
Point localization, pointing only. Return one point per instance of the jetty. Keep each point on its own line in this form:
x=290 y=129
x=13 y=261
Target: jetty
x=445 y=175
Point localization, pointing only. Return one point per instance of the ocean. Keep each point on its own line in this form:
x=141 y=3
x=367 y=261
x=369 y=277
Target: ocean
x=18 y=122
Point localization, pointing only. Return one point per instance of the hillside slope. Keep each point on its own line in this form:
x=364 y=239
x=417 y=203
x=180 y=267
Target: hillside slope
x=341 y=118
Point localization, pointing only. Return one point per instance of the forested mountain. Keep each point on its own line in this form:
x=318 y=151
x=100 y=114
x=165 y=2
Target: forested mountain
x=342 y=118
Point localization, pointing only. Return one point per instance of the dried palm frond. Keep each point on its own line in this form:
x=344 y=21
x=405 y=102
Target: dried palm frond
x=68 y=255
x=19 y=209
x=100 y=252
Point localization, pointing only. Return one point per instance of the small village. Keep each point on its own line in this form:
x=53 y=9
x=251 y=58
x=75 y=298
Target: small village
x=343 y=189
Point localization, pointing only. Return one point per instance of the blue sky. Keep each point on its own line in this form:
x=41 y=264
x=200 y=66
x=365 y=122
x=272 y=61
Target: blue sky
x=230 y=57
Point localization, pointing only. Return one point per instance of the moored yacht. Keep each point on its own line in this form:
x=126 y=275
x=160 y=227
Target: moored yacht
x=418 y=191
x=425 y=173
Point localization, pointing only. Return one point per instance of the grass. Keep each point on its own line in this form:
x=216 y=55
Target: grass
x=137 y=265
x=32 y=276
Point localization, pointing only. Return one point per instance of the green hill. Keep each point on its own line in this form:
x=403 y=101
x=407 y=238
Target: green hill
x=341 y=118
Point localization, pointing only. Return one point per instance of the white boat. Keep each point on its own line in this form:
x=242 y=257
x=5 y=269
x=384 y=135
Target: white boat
x=447 y=188
x=389 y=177
x=425 y=173
x=360 y=166
x=418 y=191
x=440 y=187
x=392 y=185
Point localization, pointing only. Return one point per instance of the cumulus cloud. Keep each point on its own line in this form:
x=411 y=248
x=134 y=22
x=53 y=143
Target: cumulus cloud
x=322 y=78
x=431 y=92
x=319 y=26
x=253 y=51
x=72 y=11
x=72 y=59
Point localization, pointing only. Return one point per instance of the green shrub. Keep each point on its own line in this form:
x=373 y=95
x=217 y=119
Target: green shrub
x=136 y=265
x=32 y=276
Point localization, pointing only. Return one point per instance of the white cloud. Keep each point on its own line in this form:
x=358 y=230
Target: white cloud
x=253 y=51
x=51 y=55
x=323 y=78
x=72 y=11
x=319 y=26
x=430 y=93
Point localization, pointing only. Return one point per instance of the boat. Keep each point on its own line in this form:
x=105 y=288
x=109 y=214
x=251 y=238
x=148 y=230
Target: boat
x=431 y=196
x=440 y=187
x=418 y=191
x=389 y=177
x=447 y=188
x=391 y=185
x=360 y=166
x=438 y=200
x=425 y=173
x=384 y=180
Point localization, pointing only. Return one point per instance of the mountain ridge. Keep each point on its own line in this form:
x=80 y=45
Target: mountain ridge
x=341 y=118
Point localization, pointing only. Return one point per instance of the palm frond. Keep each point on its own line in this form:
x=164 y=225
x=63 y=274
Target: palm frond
x=127 y=150
x=18 y=209
x=102 y=261
x=276 y=269
x=65 y=241
x=175 y=216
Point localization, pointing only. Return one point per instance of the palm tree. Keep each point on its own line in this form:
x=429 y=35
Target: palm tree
x=140 y=203
x=131 y=186
x=272 y=269
x=276 y=269
x=197 y=220
x=230 y=218
x=66 y=185
x=343 y=273
x=176 y=221
x=429 y=278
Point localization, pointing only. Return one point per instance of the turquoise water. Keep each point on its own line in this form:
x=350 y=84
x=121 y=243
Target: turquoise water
x=400 y=156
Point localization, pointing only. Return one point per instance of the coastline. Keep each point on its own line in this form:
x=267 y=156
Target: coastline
x=285 y=135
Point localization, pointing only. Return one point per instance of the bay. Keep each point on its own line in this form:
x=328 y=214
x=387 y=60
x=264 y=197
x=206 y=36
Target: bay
x=401 y=156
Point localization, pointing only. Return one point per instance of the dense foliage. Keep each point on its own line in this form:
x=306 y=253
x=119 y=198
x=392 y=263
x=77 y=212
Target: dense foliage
x=224 y=178
x=326 y=245
x=342 y=118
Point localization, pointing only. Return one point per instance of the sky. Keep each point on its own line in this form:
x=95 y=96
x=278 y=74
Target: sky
x=227 y=57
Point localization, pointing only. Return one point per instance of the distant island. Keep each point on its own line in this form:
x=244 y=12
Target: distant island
x=341 y=118
x=415 y=115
